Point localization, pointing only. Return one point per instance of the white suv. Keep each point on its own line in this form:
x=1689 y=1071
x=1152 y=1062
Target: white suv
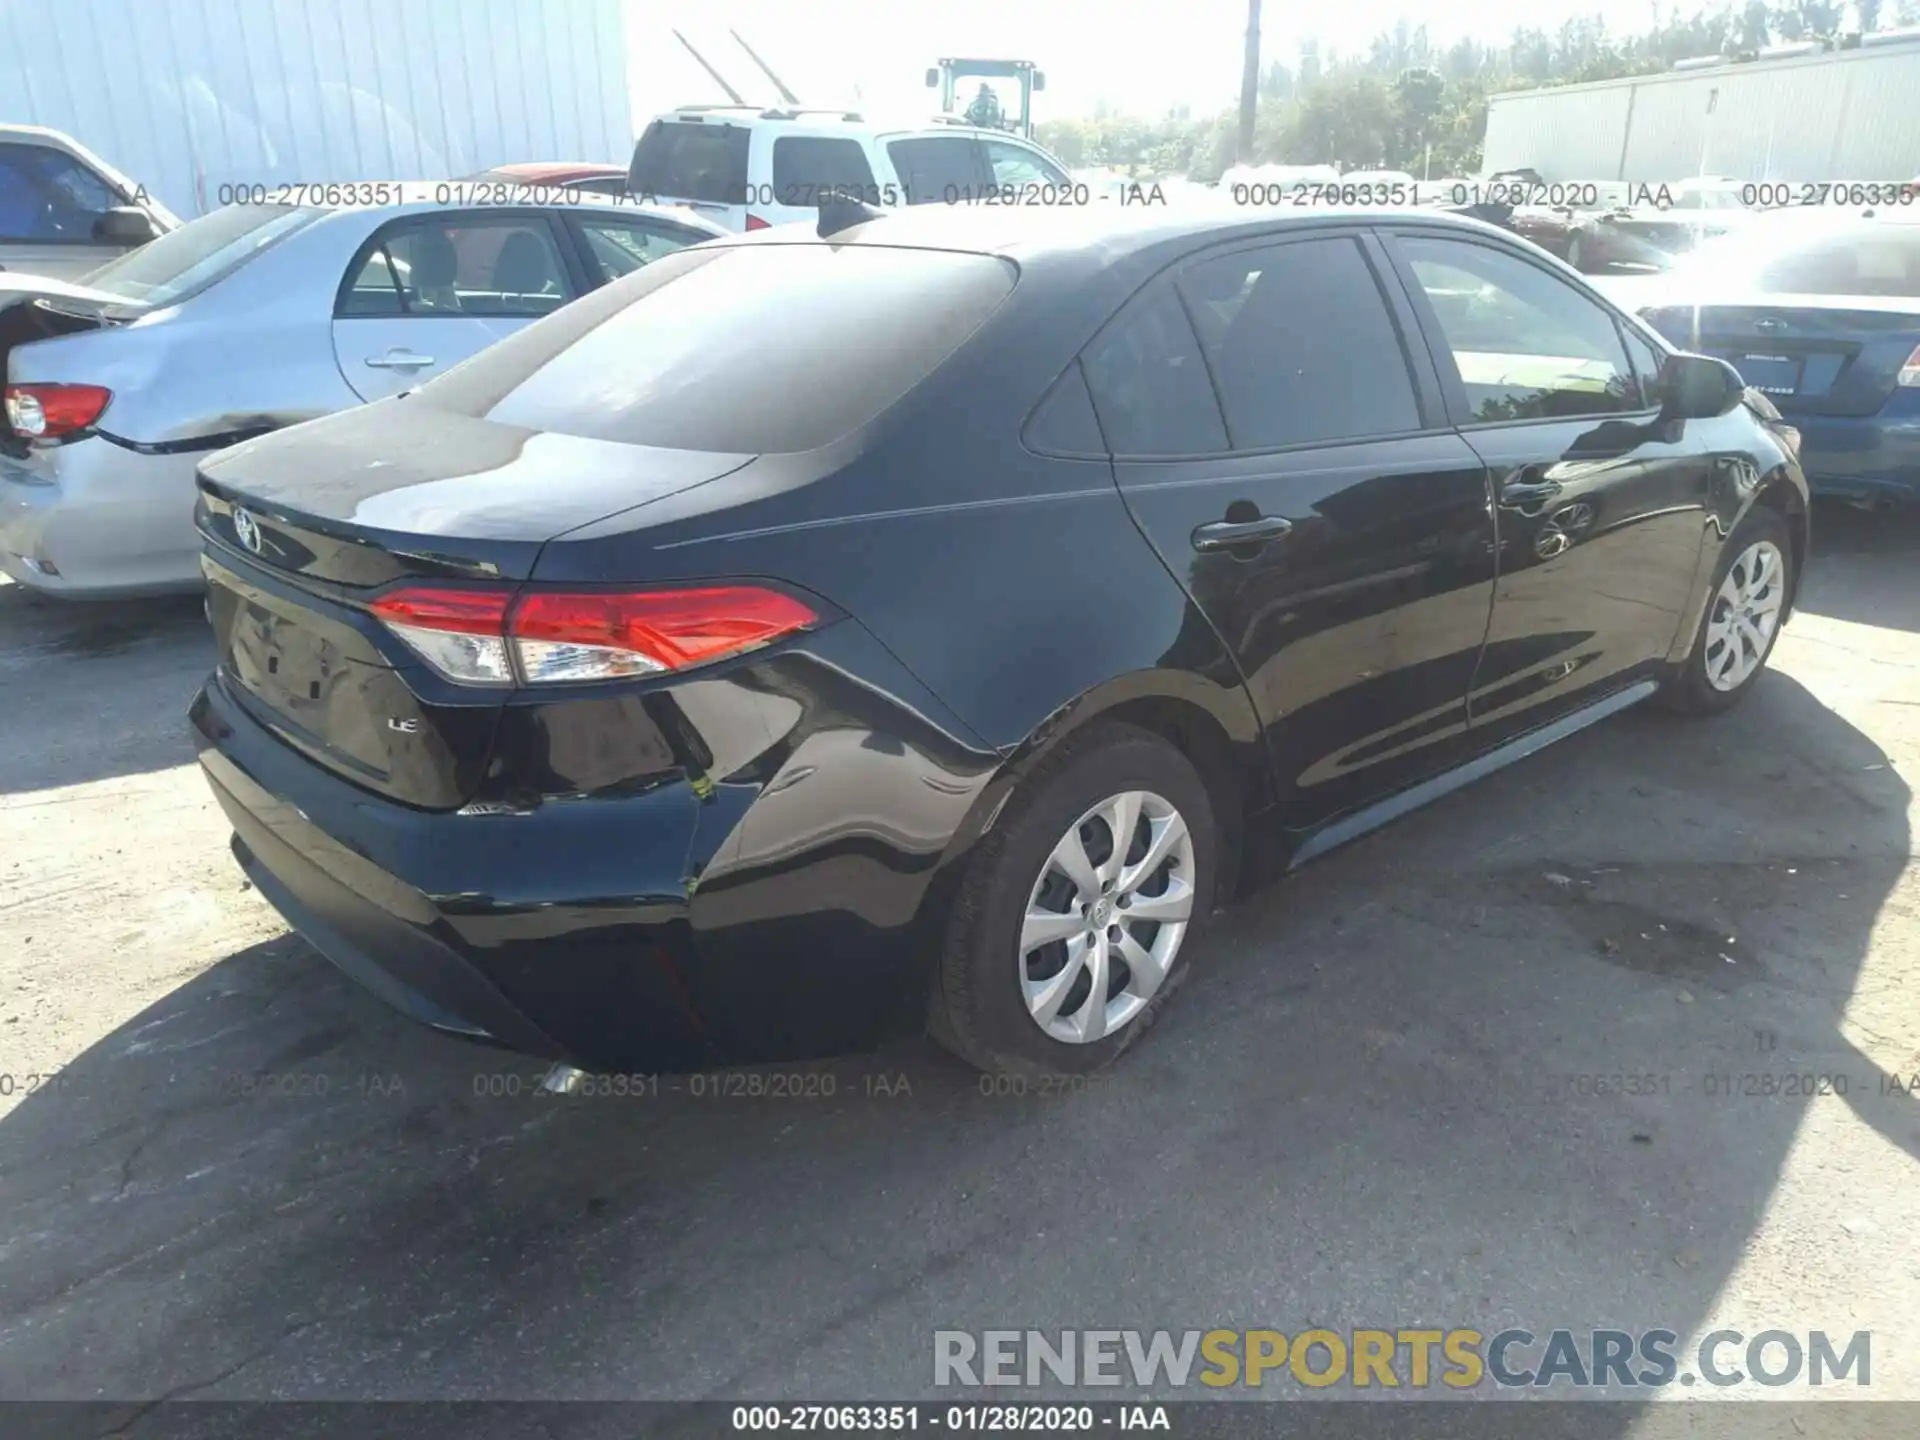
x=747 y=167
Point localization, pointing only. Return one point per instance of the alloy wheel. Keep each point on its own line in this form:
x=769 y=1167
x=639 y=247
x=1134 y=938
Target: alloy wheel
x=1105 y=920
x=1746 y=612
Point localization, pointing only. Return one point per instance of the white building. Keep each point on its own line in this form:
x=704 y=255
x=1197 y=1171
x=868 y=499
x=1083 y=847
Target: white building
x=185 y=97
x=1842 y=115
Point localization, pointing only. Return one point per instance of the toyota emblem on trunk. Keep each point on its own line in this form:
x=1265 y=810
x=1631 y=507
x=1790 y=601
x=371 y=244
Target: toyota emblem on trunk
x=246 y=529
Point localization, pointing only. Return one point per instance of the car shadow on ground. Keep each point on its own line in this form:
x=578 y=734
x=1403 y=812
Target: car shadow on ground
x=1389 y=1095
x=77 y=680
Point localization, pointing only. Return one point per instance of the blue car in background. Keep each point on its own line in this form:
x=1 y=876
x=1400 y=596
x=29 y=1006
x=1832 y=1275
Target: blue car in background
x=1822 y=314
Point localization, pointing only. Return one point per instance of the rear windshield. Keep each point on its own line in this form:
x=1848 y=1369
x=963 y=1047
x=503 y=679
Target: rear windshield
x=691 y=160
x=1877 y=258
x=189 y=259
x=749 y=349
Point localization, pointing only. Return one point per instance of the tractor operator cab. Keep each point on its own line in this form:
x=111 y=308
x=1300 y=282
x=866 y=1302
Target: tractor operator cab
x=985 y=110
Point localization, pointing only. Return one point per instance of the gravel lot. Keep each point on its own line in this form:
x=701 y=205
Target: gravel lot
x=1356 y=1114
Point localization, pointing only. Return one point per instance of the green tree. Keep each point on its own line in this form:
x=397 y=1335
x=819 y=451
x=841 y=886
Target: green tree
x=1753 y=32
x=1821 y=18
x=1347 y=120
x=1418 y=94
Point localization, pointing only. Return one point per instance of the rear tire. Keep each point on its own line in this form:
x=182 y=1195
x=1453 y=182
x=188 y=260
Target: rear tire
x=1741 y=623
x=1027 y=942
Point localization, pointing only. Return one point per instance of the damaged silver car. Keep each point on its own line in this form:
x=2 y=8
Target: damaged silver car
x=247 y=320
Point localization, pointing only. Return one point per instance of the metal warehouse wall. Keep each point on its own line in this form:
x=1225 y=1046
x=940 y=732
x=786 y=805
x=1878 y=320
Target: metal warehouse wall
x=186 y=95
x=1844 y=116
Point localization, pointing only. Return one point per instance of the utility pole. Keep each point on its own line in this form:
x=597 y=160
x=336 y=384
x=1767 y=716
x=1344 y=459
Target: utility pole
x=1249 y=84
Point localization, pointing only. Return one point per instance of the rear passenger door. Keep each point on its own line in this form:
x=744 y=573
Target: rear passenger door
x=1283 y=446
x=1600 y=504
x=427 y=291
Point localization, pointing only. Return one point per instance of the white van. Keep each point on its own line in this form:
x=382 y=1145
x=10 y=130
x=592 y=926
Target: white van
x=747 y=167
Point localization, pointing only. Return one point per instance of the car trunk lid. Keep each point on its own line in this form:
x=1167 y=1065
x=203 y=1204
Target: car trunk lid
x=306 y=528
x=1814 y=355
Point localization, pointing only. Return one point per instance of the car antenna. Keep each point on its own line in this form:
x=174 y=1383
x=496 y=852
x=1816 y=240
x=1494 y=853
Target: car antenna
x=843 y=212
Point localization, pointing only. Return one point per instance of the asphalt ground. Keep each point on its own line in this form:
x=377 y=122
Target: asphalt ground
x=1388 y=1095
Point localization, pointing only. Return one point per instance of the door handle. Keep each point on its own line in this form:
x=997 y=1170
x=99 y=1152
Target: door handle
x=398 y=360
x=1528 y=492
x=1231 y=534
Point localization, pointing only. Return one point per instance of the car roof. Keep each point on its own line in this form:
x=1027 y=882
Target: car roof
x=535 y=171
x=608 y=205
x=1111 y=231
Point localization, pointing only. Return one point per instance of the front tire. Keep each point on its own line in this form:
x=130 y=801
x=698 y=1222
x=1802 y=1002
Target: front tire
x=1074 y=923
x=1742 y=620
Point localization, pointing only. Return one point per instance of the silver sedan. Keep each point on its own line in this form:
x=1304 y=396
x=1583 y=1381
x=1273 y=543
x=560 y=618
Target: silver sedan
x=247 y=320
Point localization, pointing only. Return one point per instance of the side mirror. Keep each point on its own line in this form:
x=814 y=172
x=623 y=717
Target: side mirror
x=933 y=79
x=126 y=225
x=1698 y=387
x=1039 y=81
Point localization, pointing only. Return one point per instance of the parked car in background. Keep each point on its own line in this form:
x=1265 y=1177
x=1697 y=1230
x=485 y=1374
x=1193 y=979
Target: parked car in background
x=246 y=320
x=1274 y=184
x=1665 y=222
x=1822 y=314
x=586 y=176
x=1382 y=182
x=605 y=697
x=746 y=167
x=63 y=210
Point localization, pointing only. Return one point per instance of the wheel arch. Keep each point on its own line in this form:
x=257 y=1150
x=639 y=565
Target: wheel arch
x=1779 y=494
x=1211 y=723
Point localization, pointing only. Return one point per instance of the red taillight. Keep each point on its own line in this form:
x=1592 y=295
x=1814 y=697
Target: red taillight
x=44 y=411
x=554 y=636
x=1910 y=372
x=754 y=222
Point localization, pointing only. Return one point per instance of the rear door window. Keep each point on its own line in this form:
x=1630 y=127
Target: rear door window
x=620 y=247
x=1301 y=345
x=477 y=266
x=744 y=349
x=1149 y=383
x=808 y=167
x=936 y=169
x=692 y=160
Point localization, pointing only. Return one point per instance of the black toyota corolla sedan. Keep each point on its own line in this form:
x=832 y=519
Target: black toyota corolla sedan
x=928 y=623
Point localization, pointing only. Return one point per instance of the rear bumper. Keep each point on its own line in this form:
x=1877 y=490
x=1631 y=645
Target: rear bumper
x=771 y=890
x=442 y=915
x=96 y=520
x=1861 y=457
